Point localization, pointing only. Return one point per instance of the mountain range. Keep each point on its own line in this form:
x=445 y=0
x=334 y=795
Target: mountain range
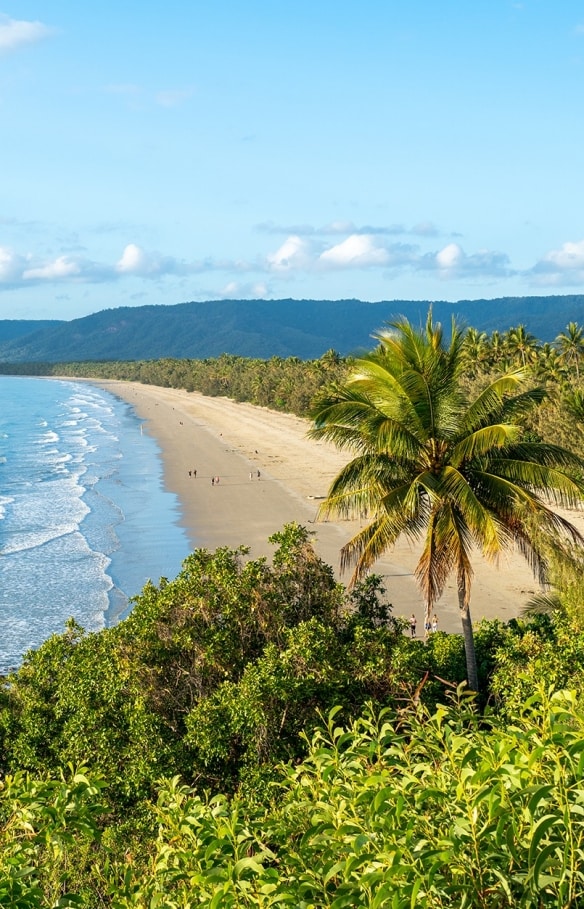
x=261 y=328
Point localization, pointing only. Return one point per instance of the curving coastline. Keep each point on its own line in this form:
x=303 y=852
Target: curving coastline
x=219 y=437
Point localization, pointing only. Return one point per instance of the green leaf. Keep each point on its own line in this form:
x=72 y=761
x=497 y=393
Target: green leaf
x=542 y=792
x=539 y=832
x=544 y=857
x=247 y=863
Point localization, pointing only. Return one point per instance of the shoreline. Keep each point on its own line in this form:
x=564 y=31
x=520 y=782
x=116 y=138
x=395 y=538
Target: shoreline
x=220 y=437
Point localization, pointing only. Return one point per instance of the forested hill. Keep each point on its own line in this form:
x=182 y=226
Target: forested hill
x=262 y=328
x=12 y=329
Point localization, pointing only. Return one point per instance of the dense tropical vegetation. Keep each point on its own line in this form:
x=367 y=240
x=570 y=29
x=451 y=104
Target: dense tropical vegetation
x=255 y=734
x=290 y=384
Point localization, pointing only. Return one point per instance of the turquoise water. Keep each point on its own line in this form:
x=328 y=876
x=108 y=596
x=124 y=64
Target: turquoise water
x=85 y=520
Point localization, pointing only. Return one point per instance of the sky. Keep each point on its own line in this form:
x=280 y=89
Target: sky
x=158 y=153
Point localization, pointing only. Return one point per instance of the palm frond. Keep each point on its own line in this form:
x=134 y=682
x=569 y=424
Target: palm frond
x=548 y=454
x=482 y=441
x=436 y=561
x=480 y=522
x=367 y=546
x=487 y=405
x=557 y=485
x=543 y=603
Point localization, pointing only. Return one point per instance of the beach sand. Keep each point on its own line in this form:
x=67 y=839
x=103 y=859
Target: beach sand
x=219 y=437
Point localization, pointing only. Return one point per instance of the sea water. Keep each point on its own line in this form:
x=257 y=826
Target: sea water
x=85 y=520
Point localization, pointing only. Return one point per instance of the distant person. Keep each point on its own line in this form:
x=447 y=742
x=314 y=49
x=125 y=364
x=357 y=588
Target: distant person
x=190 y=473
x=216 y=481
x=434 y=623
x=427 y=626
x=195 y=474
x=212 y=481
x=251 y=475
x=412 y=625
x=259 y=474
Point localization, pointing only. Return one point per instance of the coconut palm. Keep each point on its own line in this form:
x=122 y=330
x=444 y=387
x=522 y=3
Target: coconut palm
x=571 y=345
x=431 y=464
x=476 y=349
x=521 y=345
x=550 y=365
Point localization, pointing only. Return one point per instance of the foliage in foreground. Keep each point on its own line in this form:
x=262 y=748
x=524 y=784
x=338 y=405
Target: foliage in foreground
x=218 y=681
x=212 y=676
x=45 y=825
x=399 y=809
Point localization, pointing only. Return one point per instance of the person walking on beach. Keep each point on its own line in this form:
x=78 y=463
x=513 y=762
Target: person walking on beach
x=434 y=623
x=412 y=625
x=259 y=474
x=212 y=481
x=195 y=474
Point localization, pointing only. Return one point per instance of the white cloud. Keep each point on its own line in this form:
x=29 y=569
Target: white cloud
x=16 y=33
x=63 y=267
x=451 y=263
x=356 y=251
x=366 y=251
x=292 y=254
x=136 y=261
x=449 y=257
x=24 y=270
x=564 y=266
x=133 y=262
x=11 y=266
x=570 y=256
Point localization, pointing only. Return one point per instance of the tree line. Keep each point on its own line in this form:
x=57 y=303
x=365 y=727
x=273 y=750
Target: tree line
x=291 y=384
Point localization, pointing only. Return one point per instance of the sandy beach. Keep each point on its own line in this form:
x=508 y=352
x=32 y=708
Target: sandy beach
x=270 y=473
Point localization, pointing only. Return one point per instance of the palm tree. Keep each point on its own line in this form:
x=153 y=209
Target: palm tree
x=571 y=344
x=330 y=357
x=476 y=349
x=431 y=464
x=521 y=345
x=549 y=366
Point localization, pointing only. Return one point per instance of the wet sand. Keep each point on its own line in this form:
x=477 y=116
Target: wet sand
x=217 y=437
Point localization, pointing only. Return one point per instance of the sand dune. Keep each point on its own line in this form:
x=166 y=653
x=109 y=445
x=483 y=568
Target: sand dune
x=218 y=437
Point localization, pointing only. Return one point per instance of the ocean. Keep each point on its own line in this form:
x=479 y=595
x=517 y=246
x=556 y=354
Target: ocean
x=85 y=520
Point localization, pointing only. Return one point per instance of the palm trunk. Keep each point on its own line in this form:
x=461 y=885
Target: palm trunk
x=469 y=647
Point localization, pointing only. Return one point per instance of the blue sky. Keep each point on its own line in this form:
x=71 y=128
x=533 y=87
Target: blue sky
x=154 y=153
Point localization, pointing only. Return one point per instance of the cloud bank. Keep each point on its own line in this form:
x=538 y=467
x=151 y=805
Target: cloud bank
x=313 y=252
